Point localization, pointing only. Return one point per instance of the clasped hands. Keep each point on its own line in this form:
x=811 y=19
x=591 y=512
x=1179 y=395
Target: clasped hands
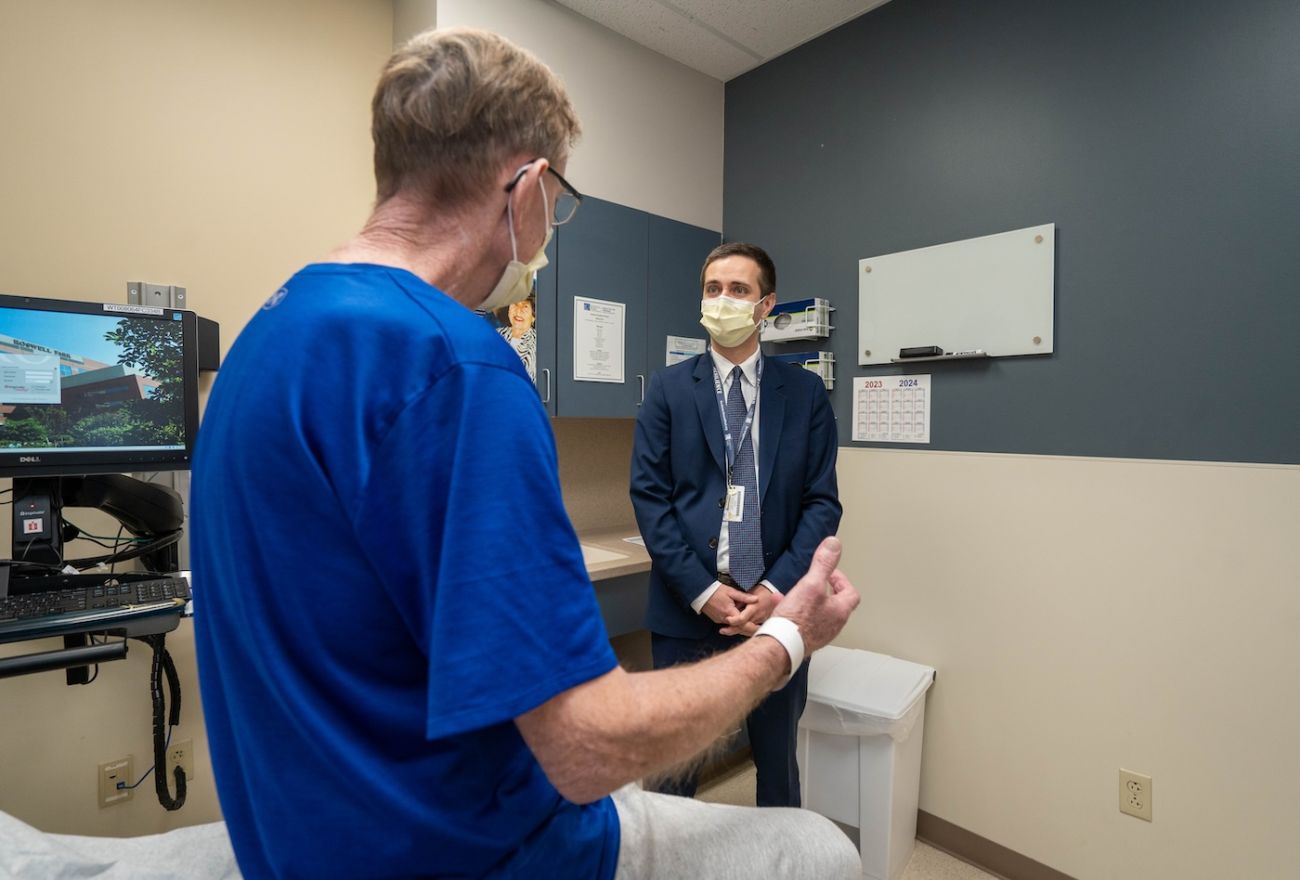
x=738 y=612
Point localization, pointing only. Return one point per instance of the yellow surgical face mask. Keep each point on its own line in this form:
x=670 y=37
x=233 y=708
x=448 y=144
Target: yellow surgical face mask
x=516 y=280
x=728 y=320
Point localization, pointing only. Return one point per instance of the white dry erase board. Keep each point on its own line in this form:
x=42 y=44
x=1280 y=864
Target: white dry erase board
x=991 y=295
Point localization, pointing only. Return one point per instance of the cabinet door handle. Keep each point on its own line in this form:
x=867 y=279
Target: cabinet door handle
x=641 y=379
x=546 y=395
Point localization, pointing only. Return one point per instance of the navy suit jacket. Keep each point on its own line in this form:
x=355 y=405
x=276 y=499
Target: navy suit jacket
x=678 y=483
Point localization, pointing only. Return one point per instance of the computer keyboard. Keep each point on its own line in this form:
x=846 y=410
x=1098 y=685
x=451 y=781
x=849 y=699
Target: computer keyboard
x=65 y=604
x=110 y=594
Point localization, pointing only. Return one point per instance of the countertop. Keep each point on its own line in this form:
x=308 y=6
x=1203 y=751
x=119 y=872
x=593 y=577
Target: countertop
x=598 y=545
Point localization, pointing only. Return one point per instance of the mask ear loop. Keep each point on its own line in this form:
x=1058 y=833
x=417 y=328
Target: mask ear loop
x=546 y=204
x=510 y=221
x=546 y=218
x=510 y=214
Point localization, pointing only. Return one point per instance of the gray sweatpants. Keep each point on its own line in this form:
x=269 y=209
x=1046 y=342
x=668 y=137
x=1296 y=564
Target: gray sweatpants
x=666 y=838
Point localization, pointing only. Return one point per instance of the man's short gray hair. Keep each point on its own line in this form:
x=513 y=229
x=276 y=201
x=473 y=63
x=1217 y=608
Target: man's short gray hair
x=454 y=104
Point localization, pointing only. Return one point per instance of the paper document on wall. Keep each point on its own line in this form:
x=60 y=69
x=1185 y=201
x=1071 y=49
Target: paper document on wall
x=598 y=327
x=891 y=409
x=683 y=348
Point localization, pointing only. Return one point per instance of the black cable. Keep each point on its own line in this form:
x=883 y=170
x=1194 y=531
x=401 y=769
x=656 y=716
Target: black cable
x=154 y=544
x=120 y=530
x=93 y=540
x=22 y=560
x=19 y=567
x=141 y=780
x=163 y=666
x=83 y=535
x=94 y=675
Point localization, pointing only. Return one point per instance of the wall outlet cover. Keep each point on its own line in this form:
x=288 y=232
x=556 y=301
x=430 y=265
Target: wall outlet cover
x=1135 y=794
x=110 y=774
x=181 y=754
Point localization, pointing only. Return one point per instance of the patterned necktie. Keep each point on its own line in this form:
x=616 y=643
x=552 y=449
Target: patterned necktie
x=744 y=540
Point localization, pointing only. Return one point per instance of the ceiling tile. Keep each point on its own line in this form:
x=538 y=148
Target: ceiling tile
x=668 y=32
x=773 y=27
x=722 y=38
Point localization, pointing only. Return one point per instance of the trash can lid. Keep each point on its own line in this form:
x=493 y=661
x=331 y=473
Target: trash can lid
x=866 y=683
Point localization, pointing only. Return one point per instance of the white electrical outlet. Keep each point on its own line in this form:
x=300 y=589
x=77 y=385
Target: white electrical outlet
x=1135 y=794
x=111 y=773
x=180 y=754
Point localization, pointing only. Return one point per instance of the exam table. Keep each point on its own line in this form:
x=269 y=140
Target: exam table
x=200 y=852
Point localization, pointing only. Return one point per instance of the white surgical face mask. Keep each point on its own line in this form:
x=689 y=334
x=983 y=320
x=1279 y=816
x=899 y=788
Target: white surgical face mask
x=730 y=321
x=516 y=280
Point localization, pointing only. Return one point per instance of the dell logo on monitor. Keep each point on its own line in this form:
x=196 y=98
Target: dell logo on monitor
x=29 y=459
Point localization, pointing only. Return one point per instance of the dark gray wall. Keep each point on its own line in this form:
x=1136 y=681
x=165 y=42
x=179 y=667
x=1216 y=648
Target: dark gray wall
x=1163 y=139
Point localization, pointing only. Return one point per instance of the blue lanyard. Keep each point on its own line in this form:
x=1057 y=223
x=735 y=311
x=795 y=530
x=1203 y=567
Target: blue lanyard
x=749 y=415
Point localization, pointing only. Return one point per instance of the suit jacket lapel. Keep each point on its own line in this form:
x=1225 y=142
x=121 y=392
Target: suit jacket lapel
x=771 y=417
x=706 y=401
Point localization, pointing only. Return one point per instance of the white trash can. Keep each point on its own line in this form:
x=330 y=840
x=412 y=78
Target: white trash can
x=859 y=750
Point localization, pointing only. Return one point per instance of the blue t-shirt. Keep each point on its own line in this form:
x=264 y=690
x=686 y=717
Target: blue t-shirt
x=384 y=577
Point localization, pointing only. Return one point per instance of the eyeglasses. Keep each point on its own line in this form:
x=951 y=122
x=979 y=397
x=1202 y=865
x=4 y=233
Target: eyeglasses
x=566 y=203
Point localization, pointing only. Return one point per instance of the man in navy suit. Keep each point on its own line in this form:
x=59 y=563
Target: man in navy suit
x=733 y=484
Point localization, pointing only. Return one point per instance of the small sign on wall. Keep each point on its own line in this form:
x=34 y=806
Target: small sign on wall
x=683 y=348
x=598 y=328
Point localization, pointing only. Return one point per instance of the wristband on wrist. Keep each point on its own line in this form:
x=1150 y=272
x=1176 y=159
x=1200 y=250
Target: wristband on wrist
x=785 y=631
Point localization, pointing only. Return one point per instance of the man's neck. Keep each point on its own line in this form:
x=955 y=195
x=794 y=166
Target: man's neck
x=740 y=353
x=447 y=250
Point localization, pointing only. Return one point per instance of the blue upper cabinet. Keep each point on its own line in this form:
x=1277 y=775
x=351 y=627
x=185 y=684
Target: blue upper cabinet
x=546 y=300
x=648 y=265
x=602 y=256
x=677 y=252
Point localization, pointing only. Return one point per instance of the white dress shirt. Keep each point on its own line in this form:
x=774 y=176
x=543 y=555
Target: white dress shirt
x=749 y=388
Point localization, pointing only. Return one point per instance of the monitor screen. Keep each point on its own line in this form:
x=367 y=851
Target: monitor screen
x=90 y=388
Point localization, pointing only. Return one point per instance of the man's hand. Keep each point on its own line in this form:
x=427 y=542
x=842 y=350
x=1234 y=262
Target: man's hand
x=746 y=622
x=822 y=600
x=621 y=726
x=725 y=603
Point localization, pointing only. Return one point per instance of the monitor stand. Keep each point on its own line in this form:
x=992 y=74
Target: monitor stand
x=145 y=510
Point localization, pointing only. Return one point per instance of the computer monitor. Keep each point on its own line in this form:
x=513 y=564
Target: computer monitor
x=95 y=388
x=88 y=391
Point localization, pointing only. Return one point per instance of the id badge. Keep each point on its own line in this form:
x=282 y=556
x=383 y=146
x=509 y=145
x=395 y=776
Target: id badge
x=735 y=504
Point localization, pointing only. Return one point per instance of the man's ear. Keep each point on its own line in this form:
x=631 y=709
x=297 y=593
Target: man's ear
x=765 y=306
x=528 y=181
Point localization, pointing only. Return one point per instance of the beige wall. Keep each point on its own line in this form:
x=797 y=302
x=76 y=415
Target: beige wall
x=410 y=17
x=652 y=127
x=217 y=145
x=595 y=457
x=1086 y=615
